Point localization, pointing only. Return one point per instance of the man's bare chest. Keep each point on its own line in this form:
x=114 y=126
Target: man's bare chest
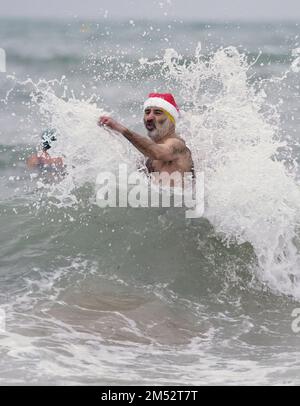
x=162 y=166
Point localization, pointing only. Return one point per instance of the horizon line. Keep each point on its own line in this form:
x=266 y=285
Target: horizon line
x=157 y=19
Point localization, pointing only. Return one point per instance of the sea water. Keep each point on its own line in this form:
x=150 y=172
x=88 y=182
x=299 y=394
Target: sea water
x=143 y=295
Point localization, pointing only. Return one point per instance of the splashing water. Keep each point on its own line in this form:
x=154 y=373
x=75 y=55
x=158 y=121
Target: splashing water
x=233 y=133
x=86 y=148
x=89 y=292
x=250 y=196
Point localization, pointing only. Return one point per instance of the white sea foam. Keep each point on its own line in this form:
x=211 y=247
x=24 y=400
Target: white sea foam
x=233 y=132
x=250 y=196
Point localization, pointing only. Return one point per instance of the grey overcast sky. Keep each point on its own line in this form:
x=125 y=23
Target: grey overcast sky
x=154 y=9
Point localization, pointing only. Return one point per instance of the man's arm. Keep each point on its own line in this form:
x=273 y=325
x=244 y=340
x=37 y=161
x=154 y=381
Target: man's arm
x=32 y=161
x=161 y=152
x=35 y=161
x=54 y=162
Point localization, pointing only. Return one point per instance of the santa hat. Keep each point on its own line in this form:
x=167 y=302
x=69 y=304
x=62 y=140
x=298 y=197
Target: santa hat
x=164 y=101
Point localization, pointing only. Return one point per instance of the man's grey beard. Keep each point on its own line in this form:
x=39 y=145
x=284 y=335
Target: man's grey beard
x=161 y=131
x=154 y=134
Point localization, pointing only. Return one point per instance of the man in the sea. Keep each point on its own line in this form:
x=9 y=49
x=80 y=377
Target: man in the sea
x=42 y=160
x=164 y=149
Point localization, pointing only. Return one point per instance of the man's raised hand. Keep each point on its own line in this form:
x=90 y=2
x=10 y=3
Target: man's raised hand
x=105 y=121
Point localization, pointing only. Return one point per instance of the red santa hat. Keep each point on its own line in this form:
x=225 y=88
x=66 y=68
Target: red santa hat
x=164 y=101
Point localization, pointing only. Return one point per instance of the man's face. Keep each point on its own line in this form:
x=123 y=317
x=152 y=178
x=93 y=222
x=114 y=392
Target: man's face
x=157 y=122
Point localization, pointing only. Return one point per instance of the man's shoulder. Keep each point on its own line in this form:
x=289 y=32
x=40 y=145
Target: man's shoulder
x=176 y=142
